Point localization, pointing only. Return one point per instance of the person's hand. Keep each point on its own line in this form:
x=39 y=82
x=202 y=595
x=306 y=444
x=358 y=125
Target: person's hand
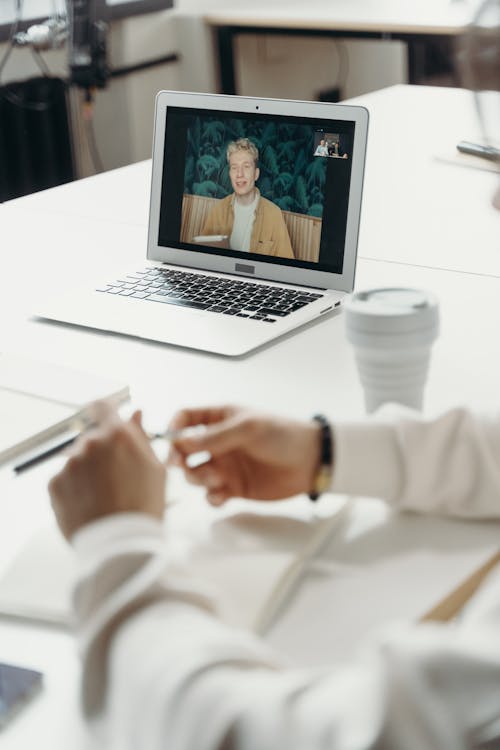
x=252 y=455
x=112 y=469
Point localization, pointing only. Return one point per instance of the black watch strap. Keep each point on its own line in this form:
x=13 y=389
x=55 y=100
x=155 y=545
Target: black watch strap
x=323 y=477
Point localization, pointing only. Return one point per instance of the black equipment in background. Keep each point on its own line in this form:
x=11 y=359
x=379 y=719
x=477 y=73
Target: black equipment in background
x=87 y=45
x=35 y=143
x=35 y=136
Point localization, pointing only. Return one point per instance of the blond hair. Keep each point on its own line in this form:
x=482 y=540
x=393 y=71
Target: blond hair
x=243 y=144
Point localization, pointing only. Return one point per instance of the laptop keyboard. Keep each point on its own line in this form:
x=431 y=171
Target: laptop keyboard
x=215 y=294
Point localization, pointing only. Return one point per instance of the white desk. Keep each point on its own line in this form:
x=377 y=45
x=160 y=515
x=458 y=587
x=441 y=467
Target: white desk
x=427 y=16
x=417 y=209
x=66 y=233
x=417 y=24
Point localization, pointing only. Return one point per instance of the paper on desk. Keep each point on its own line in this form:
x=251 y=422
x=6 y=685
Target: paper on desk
x=60 y=385
x=37 y=584
x=242 y=550
x=244 y=582
x=22 y=416
x=386 y=567
x=378 y=568
x=39 y=400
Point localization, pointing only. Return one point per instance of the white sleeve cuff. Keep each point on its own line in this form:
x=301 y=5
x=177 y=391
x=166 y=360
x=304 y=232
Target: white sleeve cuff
x=97 y=536
x=366 y=460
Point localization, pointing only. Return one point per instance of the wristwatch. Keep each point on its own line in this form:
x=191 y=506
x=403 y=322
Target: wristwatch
x=324 y=474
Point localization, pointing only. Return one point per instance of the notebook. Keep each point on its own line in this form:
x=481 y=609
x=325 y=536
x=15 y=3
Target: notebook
x=42 y=402
x=253 y=225
x=374 y=568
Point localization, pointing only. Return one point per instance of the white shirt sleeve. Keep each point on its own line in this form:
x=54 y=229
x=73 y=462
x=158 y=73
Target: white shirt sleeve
x=448 y=465
x=162 y=671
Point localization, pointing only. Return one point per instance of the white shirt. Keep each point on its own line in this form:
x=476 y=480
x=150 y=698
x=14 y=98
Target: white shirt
x=244 y=217
x=174 y=676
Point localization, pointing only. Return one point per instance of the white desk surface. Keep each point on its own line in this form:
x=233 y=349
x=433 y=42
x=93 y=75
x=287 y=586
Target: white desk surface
x=101 y=197
x=402 y=16
x=417 y=209
x=65 y=234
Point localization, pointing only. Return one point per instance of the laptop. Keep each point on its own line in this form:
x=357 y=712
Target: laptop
x=253 y=225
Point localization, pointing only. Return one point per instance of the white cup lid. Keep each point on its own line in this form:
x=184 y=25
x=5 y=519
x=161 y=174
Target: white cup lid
x=392 y=310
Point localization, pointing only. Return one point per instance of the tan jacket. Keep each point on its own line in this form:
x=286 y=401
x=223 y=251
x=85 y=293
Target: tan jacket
x=269 y=233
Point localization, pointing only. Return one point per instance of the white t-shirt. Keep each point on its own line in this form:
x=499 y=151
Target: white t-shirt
x=244 y=217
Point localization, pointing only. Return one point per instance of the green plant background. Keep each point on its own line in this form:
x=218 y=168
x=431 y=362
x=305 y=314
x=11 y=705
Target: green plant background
x=290 y=176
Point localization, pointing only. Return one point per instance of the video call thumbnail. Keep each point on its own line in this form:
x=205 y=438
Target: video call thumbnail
x=330 y=144
x=252 y=185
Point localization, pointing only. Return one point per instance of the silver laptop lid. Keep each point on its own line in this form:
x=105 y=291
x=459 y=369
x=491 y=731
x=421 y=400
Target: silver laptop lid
x=265 y=188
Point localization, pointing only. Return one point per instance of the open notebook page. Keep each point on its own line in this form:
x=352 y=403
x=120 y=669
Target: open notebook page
x=23 y=416
x=376 y=568
x=38 y=400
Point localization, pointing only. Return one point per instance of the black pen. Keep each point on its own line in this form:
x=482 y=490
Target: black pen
x=69 y=439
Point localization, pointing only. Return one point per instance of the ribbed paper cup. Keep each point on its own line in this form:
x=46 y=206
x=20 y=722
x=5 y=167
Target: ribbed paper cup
x=392 y=331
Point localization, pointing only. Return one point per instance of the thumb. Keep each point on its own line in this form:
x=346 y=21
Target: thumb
x=136 y=420
x=102 y=411
x=136 y=417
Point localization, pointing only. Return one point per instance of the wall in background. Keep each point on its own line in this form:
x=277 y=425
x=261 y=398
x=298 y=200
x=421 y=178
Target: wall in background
x=301 y=67
x=124 y=110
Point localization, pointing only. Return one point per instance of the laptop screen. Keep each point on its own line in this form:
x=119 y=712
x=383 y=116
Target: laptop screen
x=254 y=186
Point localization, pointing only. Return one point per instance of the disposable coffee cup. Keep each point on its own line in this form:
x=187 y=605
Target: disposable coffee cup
x=392 y=332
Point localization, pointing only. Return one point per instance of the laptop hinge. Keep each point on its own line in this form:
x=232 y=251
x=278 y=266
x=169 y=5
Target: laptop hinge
x=231 y=274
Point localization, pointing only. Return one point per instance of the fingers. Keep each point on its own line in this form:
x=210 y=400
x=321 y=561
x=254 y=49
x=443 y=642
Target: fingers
x=218 y=497
x=205 y=475
x=215 y=482
x=192 y=418
x=109 y=429
x=102 y=416
x=136 y=418
x=55 y=485
x=206 y=415
x=220 y=438
x=136 y=422
x=101 y=412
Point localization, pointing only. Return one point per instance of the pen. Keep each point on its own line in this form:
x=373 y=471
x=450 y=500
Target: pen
x=70 y=438
x=476 y=149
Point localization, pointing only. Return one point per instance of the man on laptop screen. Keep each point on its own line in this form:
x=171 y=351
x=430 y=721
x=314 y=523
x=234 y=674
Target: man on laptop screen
x=250 y=222
x=252 y=185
